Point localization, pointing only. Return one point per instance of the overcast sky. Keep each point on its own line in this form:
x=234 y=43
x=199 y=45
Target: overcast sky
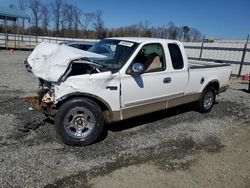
x=225 y=19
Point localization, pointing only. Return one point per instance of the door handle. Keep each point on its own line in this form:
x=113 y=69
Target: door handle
x=167 y=80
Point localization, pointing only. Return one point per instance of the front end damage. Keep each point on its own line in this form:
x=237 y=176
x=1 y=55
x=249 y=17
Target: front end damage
x=64 y=71
x=44 y=101
x=54 y=63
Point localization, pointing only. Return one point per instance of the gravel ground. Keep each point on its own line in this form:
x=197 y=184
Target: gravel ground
x=177 y=148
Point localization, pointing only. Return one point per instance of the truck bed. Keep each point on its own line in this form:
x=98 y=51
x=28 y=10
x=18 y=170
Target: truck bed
x=195 y=64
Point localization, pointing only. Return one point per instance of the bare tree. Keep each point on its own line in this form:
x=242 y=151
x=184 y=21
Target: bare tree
x=35 y=7
x=22 y=4
x=71 y=19
x=45 y=18
x=171 y=30
x=56 y=6
x=88 y=17
x=195 y=34
x=76 y=19
x=168 y=31
x=68 y=16
x=66 y=19
x=143 y=28
x=98 y=23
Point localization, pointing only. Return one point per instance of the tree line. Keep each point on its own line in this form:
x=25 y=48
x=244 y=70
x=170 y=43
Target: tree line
x=62 y=19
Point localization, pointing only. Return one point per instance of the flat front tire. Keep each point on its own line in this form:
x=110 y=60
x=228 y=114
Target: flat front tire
x=79 y=121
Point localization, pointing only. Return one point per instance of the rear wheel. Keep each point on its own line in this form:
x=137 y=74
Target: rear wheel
x=207 y=100
x=79 y=121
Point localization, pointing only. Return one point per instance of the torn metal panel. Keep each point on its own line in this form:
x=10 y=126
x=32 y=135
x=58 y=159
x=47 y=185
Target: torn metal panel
x=50 y=61
x=34 y=101
x=46 y=108
x=49 y=97
x=96 y=84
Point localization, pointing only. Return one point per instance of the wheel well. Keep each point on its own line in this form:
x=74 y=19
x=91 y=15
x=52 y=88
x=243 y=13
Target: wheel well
x=106 y=110
x=214 y=84
x=102 y=104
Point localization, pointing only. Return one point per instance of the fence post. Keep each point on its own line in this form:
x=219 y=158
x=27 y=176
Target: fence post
x=6 y=33
x=243 y=56
x=248 y=83
x=29 y=36
x=202 y=43
x=15 y=33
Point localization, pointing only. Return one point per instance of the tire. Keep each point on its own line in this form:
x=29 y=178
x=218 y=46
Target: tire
x=79 y=122
x=206 y=101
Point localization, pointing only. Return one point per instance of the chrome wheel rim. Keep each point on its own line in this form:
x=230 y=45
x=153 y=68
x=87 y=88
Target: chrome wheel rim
x=208 y=100
x=79 y=122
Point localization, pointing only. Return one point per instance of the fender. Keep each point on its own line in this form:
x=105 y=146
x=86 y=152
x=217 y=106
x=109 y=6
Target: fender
x=82 y=94
x=212 y=82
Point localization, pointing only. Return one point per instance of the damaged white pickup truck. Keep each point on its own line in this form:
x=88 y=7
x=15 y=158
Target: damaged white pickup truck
x=116 y=79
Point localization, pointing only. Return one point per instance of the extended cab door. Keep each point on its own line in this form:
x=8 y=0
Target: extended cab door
x=178 y=72
x=150 y=91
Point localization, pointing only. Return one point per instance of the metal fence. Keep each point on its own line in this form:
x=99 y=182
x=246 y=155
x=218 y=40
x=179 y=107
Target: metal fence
x=235 y=52
x=28 y=42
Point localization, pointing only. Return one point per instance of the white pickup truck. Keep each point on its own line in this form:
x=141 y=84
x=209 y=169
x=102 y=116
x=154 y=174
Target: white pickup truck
x=117 y=79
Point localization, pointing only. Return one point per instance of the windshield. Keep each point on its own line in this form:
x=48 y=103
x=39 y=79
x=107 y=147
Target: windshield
x=117 y=53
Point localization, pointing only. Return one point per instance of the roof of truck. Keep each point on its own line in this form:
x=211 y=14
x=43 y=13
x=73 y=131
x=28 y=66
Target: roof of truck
x=143 y=39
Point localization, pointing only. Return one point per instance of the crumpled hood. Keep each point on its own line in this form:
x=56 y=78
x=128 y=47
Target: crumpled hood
x=50 y=61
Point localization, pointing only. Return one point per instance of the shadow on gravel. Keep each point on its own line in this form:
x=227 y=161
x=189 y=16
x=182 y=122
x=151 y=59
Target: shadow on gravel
x=149 y=118
x=144 y=119
x=49 y=121
x=245 y=90
x=32 y=125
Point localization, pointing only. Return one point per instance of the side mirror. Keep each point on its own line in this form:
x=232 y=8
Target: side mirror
x=138 y=68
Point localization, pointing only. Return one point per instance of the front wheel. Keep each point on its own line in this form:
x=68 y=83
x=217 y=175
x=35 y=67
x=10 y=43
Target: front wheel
x=207 y=100
x=79 y=121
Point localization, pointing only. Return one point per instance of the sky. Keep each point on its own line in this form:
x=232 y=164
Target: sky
x=223 y=19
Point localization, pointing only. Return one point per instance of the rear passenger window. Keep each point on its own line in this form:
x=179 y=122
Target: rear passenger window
x=176 y=56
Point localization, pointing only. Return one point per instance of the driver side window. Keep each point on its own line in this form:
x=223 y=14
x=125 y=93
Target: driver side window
x=152 y=57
